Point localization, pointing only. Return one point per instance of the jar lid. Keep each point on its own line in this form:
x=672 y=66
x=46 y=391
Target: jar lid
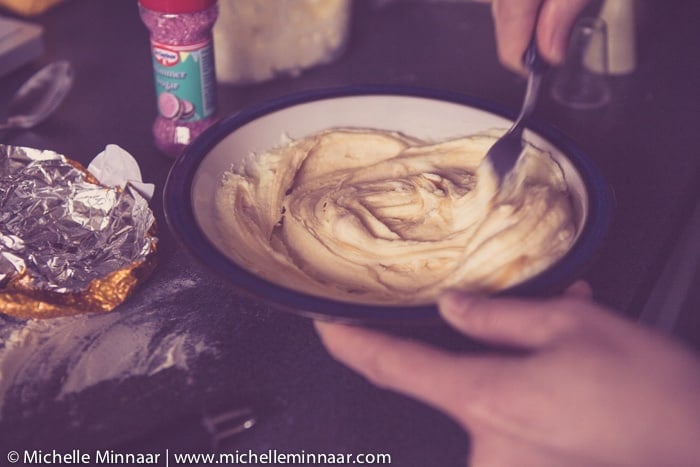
x=177 y=6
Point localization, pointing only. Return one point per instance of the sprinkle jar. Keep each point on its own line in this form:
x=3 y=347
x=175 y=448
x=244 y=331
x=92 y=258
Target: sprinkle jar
x=183 y=66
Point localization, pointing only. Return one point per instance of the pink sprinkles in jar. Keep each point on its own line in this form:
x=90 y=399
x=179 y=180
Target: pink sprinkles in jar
x=183 y=68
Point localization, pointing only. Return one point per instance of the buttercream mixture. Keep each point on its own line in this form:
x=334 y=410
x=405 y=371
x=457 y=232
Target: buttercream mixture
x=371 y=216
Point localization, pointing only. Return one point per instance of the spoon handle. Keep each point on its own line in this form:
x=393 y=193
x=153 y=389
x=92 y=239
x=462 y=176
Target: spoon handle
x=532 y=59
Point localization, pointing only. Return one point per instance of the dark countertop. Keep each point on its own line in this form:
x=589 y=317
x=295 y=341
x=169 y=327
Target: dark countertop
x=232 y=348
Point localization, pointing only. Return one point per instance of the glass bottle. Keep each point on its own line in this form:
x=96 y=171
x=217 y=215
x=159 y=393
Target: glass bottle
x=183 y=65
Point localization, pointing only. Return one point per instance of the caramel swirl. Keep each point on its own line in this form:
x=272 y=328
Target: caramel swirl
x=377 y=217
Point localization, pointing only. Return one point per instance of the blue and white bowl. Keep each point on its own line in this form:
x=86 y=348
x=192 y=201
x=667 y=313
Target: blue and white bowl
x=426 y=114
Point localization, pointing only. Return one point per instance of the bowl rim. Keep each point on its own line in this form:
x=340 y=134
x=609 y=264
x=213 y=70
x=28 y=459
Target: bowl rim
x=180 y=217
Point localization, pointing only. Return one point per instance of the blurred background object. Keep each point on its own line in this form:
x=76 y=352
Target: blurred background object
x=620 y=17
x=20 y=43
x=257 y=40
x=581 y=83
x=39 y=96
x=28 y=7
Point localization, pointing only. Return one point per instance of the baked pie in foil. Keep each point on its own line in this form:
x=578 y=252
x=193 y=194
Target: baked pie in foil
x=69 y=243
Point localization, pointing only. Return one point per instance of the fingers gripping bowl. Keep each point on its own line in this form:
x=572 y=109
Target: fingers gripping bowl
x=251 y=231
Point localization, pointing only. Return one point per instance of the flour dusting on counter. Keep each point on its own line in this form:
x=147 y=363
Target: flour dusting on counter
x=142 y=339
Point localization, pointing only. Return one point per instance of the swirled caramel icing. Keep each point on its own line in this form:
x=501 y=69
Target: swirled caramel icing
x=377 y=217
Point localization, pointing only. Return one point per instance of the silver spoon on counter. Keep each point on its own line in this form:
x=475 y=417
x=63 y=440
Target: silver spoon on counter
x=505 y=152
x=39 y=96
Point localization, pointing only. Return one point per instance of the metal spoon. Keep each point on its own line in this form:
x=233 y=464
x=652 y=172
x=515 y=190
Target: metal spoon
x=39 y=96
x=505 y=152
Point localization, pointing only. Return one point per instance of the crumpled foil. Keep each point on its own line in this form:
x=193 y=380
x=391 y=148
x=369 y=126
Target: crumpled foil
x=68 y=244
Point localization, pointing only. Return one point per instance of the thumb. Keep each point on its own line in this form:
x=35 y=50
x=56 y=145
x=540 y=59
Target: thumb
x=579 y=289
x=508 y=321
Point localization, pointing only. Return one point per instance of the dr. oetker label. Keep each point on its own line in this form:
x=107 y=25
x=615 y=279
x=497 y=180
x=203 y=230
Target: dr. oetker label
x=184 y=79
